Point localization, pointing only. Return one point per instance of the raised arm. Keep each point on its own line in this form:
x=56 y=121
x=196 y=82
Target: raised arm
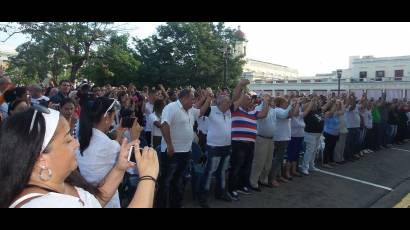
x=266 y=105
x=309 y=107
x=109 y=186
x=205 y=106
x=237 y=93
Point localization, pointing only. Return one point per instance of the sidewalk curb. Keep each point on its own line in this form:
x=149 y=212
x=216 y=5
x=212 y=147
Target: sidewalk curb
x=404 y=203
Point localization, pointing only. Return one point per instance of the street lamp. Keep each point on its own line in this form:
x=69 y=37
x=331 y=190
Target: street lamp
x=339 y=76
x=226 y=52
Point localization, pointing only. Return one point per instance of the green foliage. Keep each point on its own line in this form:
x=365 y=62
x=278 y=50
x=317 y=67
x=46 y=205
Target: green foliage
x=182 y=54
x=178 y=54
x=114 y=63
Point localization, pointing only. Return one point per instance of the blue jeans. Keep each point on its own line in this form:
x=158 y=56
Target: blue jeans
x=383 y=134
x=392 y=133
x=352 y=143
x=218 y=163
x=171 y=188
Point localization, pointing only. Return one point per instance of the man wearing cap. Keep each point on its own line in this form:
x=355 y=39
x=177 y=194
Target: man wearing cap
x=37 y=97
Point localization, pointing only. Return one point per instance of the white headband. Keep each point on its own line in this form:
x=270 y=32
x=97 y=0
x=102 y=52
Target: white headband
x=51 y=122
x=51 y=126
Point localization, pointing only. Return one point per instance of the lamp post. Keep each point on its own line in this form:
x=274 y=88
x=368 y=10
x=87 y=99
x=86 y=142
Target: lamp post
x=339 y=76
x=226 y=51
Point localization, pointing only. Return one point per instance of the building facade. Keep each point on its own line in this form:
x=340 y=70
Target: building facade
x=371 y=75
x=260 y=71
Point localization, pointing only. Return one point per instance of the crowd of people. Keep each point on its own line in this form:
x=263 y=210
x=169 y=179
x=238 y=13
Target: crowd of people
x=73 y=143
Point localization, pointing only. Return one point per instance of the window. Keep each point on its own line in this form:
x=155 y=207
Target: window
x=398 y=75
x=363 y=75
x=379 y=75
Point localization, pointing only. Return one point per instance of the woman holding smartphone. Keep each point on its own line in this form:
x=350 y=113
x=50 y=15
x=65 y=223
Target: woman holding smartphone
x=42 y=171
x=98 y=153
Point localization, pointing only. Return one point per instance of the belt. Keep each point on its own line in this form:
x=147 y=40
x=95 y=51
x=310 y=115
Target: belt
x=265 y=137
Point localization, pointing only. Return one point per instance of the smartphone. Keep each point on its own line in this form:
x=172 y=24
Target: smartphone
x=127 y=122
x=130 y=154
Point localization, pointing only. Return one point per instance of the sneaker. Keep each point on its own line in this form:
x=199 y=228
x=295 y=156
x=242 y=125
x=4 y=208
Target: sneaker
x=313 y=168
x=305 y=172
x=244 y=191
x=234 y=195
x=224 y=197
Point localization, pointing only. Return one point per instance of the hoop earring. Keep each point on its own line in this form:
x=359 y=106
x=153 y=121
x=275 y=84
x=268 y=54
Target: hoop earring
x=42 y=173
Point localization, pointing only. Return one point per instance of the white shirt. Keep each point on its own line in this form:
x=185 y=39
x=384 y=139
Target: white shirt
x=203 y=125
x=283 y=130
x=148 y=108
x=156 y=132
x=181 y=123
x=148 y=111
x=57 y=200
x=219 y=128
x=98 y=160
x=298 y=125
x=368 y=119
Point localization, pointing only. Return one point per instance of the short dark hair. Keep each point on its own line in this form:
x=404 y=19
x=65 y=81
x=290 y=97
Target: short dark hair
x=64 y=81
x=13 y=94
x=14 y=104
x=66 y=101
x=185 y=93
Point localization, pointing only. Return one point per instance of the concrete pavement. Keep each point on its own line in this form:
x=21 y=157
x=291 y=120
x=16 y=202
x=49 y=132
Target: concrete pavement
x=379 y=180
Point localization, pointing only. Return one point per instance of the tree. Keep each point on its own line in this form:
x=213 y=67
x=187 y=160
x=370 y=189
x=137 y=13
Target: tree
x=183 y=54
x=114 y=63
x=36 y=61
x=68 y=42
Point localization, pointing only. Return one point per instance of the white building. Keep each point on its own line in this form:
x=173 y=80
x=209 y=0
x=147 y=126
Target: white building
x=371 y=75
x=260 y=71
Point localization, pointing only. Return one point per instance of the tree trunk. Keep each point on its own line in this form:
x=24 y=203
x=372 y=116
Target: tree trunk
x=74 y=71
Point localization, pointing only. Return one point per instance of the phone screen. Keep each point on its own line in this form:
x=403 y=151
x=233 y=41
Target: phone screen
x=130 y=154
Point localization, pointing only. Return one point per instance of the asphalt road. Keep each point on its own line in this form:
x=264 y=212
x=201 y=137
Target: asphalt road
x=379 y=180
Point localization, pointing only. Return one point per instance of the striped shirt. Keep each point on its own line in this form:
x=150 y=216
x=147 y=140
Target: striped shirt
x=244 y=125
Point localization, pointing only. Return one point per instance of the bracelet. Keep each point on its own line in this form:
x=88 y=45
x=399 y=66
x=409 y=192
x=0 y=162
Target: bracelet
x=148 y=178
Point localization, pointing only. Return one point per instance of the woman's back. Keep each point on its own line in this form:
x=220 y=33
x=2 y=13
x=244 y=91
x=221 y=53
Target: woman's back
x=98 y=159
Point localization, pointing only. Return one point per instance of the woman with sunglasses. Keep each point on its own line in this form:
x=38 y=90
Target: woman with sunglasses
x=98 y=153
x=38 y=162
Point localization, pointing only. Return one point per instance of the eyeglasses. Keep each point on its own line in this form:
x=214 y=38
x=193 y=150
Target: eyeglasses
x=115 y=104
x=37 y=108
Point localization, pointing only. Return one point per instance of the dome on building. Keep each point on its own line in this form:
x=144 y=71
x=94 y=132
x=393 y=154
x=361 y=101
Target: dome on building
x=239 y=34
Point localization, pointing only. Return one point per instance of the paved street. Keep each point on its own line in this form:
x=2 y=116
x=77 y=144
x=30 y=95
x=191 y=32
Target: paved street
x=379 y=180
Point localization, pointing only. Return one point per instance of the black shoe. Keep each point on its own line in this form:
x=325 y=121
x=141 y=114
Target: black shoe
x=204 y=204
x=257 y=189
x=265 y=185
x=224 y=197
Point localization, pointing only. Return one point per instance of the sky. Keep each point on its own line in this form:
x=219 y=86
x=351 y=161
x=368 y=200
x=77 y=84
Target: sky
x=310 y=47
